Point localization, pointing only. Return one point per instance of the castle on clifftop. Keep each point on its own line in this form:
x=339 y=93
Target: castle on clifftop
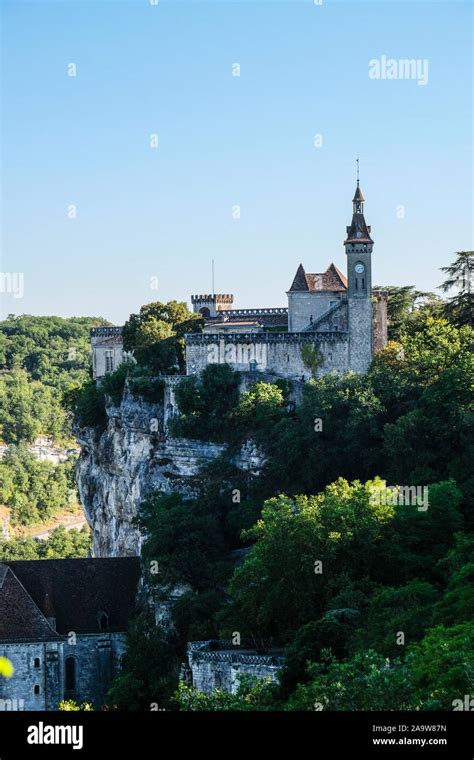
x=338 y=315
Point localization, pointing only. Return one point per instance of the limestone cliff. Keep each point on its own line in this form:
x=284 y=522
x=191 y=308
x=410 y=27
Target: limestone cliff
x=133 y=456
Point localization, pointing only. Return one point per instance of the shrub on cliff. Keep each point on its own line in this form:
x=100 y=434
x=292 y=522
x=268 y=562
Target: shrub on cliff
x=90 y=406
x=155 y=336
x=113 y=383
x=205 y=401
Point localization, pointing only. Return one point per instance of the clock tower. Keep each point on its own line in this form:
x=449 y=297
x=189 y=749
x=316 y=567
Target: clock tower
x=359 y=245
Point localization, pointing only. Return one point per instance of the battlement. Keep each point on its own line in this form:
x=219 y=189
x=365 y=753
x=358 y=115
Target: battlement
x=196 y=339
x=253 y=312
x=216 y=298
x=220 y=665
x=109 y=331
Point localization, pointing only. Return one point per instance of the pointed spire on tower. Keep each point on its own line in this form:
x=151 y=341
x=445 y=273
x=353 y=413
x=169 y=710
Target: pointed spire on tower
x=358 y=199
x=358 y=231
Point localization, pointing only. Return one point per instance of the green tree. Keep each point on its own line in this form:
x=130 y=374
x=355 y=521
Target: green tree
x=186 y=539
x=150 y=669
x=405 y=304
x=442 y=665
x=460 y=307
x=155 y=336
x=302 y=544
x=205 y=402
x=252 y=694
x=366 y=681
x=34 y=490
x=335 y=431
x=406 y=610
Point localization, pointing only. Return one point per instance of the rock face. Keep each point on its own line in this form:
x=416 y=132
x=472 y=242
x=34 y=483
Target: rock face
x=132 y=457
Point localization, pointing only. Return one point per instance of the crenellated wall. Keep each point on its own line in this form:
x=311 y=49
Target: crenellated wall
x=279 y=353
x=223 y=668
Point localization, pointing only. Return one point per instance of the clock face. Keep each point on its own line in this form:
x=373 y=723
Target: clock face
x=359 y=268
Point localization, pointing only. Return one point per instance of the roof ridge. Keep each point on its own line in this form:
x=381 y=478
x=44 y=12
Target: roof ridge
x=3 y=573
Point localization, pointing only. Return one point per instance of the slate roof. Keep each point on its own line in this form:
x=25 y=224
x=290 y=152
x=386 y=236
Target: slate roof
x=358 y=195
x=20 y=617
x=76 y=591
x=277 y=319
x=331 y=280
x=115 y=340
x=358 y=232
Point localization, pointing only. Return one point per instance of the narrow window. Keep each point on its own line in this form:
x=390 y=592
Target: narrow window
x=37 y=662
x=109 y=361
x=37 y=689
x=103 y=621
x=70 y=674
x=357 y=284
x=363 y=284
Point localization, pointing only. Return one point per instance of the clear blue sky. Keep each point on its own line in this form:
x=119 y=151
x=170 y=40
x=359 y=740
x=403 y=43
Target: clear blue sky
x=224 y=140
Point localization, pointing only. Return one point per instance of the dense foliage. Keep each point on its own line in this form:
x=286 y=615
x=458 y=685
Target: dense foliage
x=41 y=359
x=34 y=490
x=60 y=544
x=155 y=336
x=371 y=600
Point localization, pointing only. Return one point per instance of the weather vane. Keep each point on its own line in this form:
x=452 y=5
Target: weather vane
x=357 y=162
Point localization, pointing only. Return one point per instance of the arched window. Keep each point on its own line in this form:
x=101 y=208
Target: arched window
x=37 y=690
x=70 y=674
x=37 y=662
x=103 y=620
x=205 y=311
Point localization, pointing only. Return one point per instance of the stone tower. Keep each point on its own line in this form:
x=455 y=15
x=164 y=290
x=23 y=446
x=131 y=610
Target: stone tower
x=209 y=305
x=359 y=245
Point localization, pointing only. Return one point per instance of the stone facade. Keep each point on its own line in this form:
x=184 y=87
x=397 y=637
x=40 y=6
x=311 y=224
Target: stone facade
x=37 y=680
x=218 y=665
x=338 y=314
x=379 y=320
x=96 y=659
x=276 y=353
x=62 y=627
x=107 y=350
x=303 y=307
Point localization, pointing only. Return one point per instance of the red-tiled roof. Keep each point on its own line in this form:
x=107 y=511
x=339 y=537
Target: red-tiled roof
x=331 y=280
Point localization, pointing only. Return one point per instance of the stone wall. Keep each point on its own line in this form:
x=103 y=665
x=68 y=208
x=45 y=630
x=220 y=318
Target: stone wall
x=379 y=320
x=302 y=305
x=97 y=658
x=41 y=665
x=38 y=666
x=106 y=341
x=360 y=331
x=279 y=353
x=223 y=669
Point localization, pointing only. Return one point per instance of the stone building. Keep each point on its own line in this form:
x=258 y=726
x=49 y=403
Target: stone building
x=220 y=665
x=338 y=315
x=62 y=626
x=107 y=350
